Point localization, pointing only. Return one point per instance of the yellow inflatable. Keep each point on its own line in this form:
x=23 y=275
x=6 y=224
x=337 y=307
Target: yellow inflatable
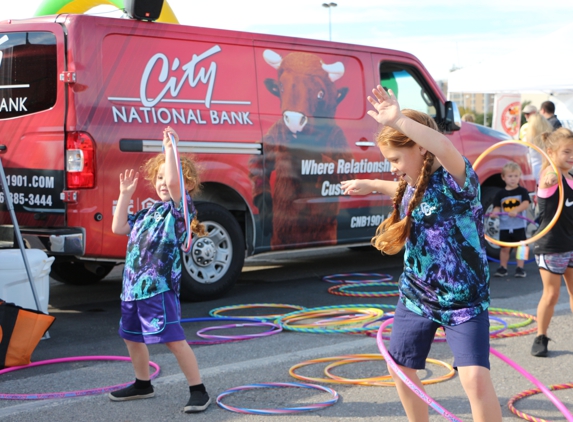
x=54 y=7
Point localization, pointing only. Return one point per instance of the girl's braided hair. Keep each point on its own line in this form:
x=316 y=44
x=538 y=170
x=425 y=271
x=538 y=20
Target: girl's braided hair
x=392 y=233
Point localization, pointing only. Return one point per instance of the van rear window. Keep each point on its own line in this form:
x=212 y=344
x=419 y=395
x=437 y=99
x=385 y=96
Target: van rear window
x=28 y=73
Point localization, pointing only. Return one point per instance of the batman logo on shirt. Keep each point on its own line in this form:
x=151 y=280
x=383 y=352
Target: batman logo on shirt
x=509 y=204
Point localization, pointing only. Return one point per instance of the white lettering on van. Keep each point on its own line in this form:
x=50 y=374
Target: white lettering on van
x=13 y=104
x=171 y=84
x=312 y=167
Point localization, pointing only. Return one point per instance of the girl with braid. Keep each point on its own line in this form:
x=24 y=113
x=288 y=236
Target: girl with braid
x=439 y=219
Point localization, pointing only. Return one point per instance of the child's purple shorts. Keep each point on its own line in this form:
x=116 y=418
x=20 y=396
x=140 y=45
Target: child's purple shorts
x=412 y=336
x=152 y=320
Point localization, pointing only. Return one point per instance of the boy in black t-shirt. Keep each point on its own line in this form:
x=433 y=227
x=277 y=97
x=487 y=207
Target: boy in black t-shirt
x=511 y=202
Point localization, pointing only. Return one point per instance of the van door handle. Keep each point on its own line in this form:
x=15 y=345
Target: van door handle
x=365 y=144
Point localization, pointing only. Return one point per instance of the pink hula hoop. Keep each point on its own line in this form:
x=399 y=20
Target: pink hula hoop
x=67 y=394
x=536 y=382
x=409 y=383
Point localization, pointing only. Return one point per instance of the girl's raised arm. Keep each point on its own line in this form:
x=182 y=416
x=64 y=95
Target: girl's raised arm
x=387 y=112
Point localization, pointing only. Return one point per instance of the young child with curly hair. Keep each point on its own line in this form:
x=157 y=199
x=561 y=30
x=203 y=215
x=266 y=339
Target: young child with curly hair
x=150 y=308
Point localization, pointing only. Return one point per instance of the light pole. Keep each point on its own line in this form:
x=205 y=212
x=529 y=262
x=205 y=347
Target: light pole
x=329 y=6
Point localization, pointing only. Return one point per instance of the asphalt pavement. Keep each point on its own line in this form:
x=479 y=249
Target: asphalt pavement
x=87 y=319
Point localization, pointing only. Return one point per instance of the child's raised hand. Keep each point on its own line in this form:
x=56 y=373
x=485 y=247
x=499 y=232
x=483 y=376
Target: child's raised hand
x=166 y=138
x=128 y=182
x=386 y=105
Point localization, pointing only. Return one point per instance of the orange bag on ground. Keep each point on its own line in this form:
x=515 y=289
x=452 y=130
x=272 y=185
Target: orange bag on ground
x=20 y=332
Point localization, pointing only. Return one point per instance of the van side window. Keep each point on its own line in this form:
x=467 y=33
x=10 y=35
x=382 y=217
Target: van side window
x=407 y=88
x=28 y=73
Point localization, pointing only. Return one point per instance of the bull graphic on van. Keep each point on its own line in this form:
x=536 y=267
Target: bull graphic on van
x=295 y=207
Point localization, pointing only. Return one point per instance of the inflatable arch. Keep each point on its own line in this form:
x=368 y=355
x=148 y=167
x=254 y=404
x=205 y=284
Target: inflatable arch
x=54 y=7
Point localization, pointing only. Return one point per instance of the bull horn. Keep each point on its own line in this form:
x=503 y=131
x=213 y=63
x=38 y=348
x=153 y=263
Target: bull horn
x=335 y=70
x=272 y=58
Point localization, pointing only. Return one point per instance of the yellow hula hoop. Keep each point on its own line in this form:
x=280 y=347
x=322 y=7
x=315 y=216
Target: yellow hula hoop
x=559 y=184
x=380 y=381
x=366 y=381
x=368 y=315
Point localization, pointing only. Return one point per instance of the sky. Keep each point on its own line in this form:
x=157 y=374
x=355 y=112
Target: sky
x=443 y=34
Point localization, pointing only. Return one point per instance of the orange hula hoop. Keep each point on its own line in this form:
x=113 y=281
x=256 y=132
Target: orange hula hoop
x=559 y=185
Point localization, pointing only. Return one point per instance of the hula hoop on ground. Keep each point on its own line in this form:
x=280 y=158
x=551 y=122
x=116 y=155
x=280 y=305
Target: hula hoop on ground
x=275 y=329
x=372 y=381
x=342 y=290
x=350 y=278
x=281 y=410
x=217 y=311
x=409 y=383
x=218 y=319
x=528 y=320
x=450 y=374
x=559 y=184
x=374 y=310
x=533 y=391
x=545 y=390
x=68 y=394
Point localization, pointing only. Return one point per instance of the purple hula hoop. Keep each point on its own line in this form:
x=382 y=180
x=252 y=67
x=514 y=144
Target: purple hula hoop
x=67 y=394
x=219 y=319
x=275 y=329
x=409 y=383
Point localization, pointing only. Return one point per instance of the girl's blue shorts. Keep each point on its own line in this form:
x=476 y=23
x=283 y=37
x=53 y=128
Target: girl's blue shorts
x=412 y=336
x=152 y=320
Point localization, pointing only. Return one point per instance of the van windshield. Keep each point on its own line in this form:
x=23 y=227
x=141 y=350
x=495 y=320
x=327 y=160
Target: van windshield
x=28 y=69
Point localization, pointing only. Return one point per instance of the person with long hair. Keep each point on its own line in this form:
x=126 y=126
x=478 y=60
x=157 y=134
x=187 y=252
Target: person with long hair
x=150 y=307
x=554 y=251
x=438 y=218
x=537 y=125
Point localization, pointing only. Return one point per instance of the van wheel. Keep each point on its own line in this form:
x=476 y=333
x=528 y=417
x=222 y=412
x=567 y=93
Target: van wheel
x=215 y=261
x=491 y=225
x=79 y=273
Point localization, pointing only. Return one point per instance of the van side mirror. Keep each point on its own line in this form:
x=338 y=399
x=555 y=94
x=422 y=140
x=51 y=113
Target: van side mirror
x=452 y=120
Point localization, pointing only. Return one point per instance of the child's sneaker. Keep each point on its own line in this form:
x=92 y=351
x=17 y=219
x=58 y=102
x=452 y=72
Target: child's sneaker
x=198 y=402
x=132 y=393
x=501 y=272
x=520 y=272
x=539 y=347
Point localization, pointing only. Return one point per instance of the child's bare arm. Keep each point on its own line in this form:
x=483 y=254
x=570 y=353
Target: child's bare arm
x=127 y=185
x=387 y=112
x=171 y=172
x=368 y=186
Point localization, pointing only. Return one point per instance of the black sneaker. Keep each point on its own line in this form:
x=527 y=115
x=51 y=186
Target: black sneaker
x=539 y=347
x=501 y=272
x=131 y=393
x=198 y=402
x=520 y=272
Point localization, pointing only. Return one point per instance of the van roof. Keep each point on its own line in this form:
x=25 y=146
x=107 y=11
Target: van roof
x=86 y=20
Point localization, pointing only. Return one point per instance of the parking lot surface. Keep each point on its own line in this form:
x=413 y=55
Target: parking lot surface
x=87 y=320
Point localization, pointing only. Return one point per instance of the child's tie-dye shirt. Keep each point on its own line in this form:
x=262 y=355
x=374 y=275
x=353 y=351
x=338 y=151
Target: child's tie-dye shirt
x=153 y=260
x=446 y=273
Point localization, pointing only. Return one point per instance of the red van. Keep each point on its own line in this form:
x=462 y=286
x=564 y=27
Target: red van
x=275 y=123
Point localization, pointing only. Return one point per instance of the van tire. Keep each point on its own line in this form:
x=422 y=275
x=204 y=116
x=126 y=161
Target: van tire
x=76 y=273
x=491 y=227
x=222 y=253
